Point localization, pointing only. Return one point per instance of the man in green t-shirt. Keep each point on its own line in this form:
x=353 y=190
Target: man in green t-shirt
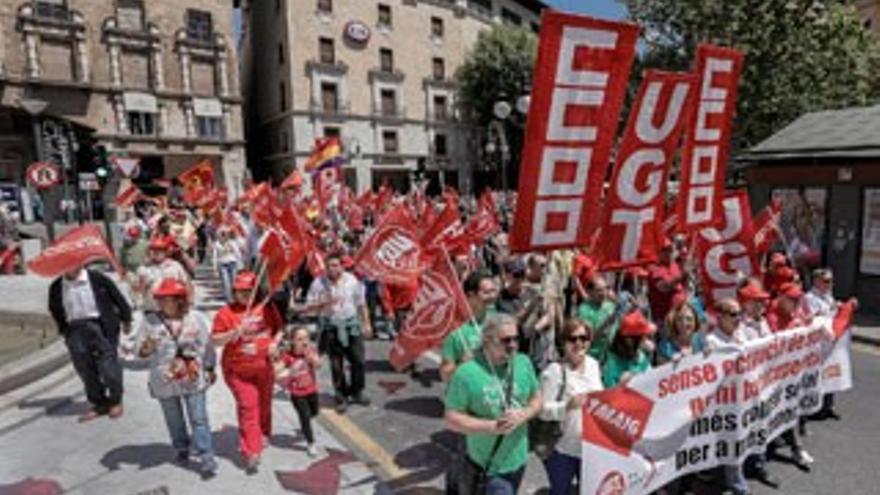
x=598 y=311
x=490 y=399
x=459 y=346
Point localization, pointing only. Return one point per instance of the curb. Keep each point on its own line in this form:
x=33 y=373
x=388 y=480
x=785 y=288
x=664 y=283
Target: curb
x=36 y=365
x=863 y=339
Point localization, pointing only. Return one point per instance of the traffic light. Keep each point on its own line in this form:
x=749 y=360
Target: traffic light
x=102 y=164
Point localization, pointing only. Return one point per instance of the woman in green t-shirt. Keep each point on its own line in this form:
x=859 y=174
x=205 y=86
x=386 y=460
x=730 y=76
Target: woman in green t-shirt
x=626 y=357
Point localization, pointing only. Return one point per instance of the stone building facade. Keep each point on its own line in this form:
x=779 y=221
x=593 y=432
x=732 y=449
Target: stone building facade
x=377 y=73
x=156 y=80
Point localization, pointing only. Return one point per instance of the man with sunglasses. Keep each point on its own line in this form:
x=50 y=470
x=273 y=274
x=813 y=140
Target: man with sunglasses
x=820 y=302
x=490 y=400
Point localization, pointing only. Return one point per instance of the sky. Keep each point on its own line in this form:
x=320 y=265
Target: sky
x=609 y=9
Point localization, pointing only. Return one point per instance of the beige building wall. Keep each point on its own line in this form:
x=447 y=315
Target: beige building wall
x=869 y=11
x=90 y=66
x=284 y=137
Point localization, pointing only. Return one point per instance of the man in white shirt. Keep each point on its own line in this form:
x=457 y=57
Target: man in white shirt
x=339 y=300
x=89 y=310
x=753 y=299
x=819 y=301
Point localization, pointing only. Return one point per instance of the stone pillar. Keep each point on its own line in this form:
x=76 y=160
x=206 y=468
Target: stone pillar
x=82 y=52
x=158 y=70
x=115 y=64
x=186 y=70
x=33 y=55
x=119 y=110
x=222 y=74
x=189 y=118
x=163 y=119
x=227 y=122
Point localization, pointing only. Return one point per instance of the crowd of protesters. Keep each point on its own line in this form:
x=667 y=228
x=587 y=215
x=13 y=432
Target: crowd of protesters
x=546 y=330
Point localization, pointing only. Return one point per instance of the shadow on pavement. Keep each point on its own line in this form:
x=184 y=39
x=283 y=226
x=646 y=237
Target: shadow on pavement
x=145 y=456
x=426 y=407
x=425 y=461
x=378 y=366
x=57 y=406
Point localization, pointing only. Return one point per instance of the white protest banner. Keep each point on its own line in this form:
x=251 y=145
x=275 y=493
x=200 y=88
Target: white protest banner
x=706 y=411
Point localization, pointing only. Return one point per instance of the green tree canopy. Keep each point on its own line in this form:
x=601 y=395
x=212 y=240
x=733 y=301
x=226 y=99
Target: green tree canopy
x=801 y=55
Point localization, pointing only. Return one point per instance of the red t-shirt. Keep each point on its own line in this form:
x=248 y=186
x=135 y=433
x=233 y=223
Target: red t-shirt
x=661 y=302
x=779 y=320
x=302 y=381
x=250 y=352
x=396 y=297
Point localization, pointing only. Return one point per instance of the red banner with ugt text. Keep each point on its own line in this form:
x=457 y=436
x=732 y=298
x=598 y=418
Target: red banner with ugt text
x=76 y=248
x=579 y=83
x=727 y=253
x=707 y=139
x=635 y=207
x=440 y=307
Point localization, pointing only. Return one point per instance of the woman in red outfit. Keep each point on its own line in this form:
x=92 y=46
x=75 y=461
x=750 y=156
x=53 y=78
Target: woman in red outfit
x=247 y=336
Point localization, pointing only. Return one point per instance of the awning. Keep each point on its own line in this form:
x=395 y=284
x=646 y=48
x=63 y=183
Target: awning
x=140 y=102
x=207 y=107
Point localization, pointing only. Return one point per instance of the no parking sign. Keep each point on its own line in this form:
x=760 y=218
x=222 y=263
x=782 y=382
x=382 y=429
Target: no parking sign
x=43 y=175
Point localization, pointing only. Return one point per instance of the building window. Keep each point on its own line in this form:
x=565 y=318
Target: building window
x=510 y=17
x=439 y=68
x=441 y=110
x=482 y=6
x=536 y=28
x=326 y=51
x=331 y=132
x=329 y=97
x=325 y=6
x=130 y=14
x=280 y=53
x=53 y=9
x=436 y=27
x=199 y=26
x=440 y=148
x=282 y=94
x=386 y=60
x=388 y=102
x=209 y=127
x=389 y=142
x=385 y=16
x=141 y=124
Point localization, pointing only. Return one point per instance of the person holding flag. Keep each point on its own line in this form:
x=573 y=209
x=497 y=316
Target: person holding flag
x=249 y=334
x=459 y=346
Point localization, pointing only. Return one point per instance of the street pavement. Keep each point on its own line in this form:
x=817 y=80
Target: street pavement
x=395 y=445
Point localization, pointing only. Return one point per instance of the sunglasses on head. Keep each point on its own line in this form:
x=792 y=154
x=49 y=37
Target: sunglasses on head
x=577 y=338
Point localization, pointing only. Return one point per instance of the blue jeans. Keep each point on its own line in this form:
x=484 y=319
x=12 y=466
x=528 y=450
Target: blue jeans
x=504 y=484
x=197 y=412
x=734 y=479
x=562 y=469
x=227 y=275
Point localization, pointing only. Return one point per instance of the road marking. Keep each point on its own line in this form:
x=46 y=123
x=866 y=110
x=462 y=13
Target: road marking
x=365 y=443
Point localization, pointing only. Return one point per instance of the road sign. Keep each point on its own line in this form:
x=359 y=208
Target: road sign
x=128 y=167
x=43 y=175
x=88 y=181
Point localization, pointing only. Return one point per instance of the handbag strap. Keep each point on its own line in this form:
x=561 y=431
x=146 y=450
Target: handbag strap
x=562 y=385
x=500 y=438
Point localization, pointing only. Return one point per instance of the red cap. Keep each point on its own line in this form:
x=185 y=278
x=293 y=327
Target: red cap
x=134 y=231
x=159 y=243
x=778 y=259
x=786 y=274
x=347 y=262
x=791 y=290
x=665 y=242
x=637 y=271
x=635 y=325
x=752 y=292
x=170 y=287
x=245 y=281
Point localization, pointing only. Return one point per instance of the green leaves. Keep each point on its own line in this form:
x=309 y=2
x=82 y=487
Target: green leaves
x=801 y=55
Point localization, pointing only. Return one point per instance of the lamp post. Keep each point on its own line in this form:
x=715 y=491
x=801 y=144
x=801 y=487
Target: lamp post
x=497 y=138
x=35 y=107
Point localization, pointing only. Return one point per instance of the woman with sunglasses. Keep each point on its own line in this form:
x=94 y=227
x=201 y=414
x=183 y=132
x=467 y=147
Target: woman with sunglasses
x=564 y=386
x=627 y=356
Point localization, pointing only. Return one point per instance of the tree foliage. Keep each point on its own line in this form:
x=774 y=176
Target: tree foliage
x=498 y=67
x=801 y=55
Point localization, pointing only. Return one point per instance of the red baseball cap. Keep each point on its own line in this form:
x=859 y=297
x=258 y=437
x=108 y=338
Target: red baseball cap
x=752 y=292
x=170 y=287
x=778 y=259
x=635 y=325
x=134 y=231
x=159 y=243
x=786 y=274
x=791 y=290
x=245 y=281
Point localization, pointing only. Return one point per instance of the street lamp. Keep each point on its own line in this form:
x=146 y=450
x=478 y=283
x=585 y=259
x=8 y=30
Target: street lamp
x=35 y=107
x=497 y=139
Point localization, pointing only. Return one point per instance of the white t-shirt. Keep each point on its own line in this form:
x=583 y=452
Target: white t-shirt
x=586 y=379
x=818 y=304
x=719 y=340
x=152 y=276
x=754 y=329
x=347 y=295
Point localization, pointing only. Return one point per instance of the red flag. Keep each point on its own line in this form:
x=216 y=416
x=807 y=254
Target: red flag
x=580 y=81
x=487 y=201
x=440 y=307
x=446 y=224
x=482 y=225
x=325 y=184
x=392 y=253
x=197 y=180
x=843 y=319
x=767 y=230
x=707 y=138
x=726 y=253
x=293 y=180
x=78 y=247
x=274 y=254
x=298 y=242
x=636 y=203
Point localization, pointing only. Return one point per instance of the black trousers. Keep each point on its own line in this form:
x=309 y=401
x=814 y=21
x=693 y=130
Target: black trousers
x=95 y=360
x=306 y=408
x=354 y=354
